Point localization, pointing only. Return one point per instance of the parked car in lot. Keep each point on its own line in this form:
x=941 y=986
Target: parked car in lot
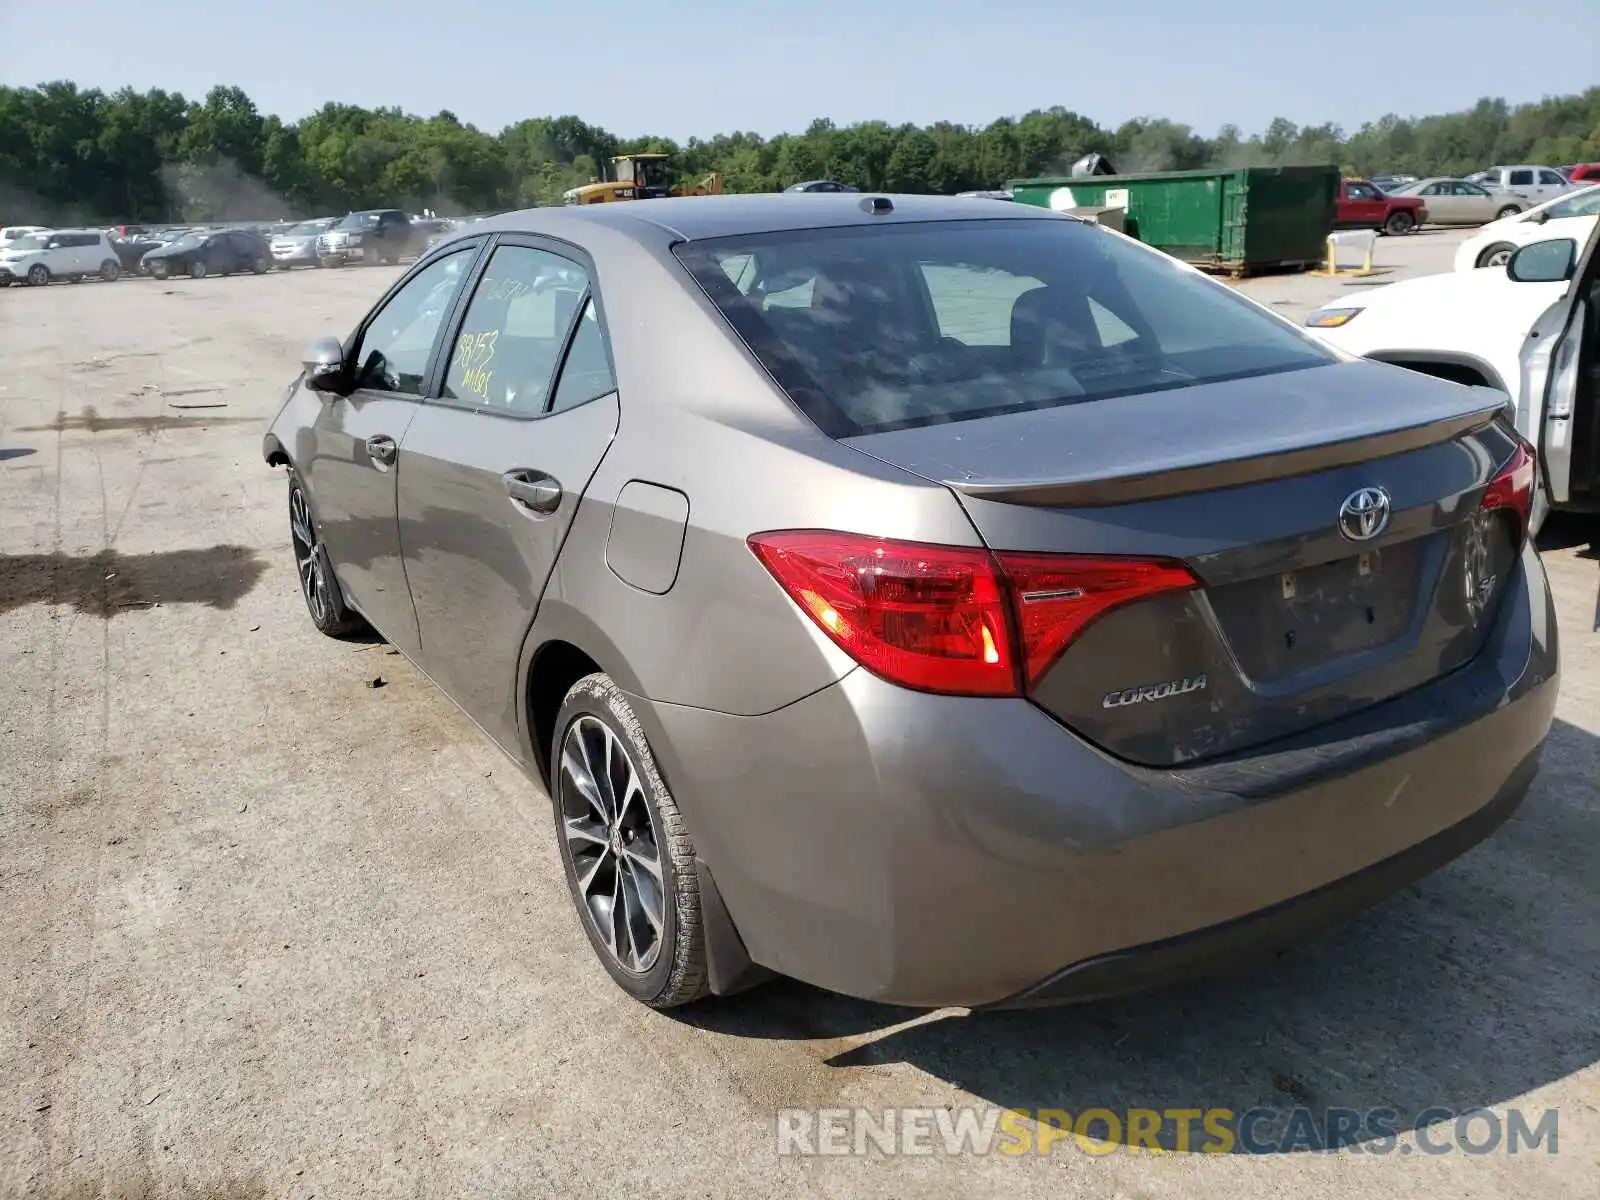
x=886 y=589
x=1572 y=215
x=60 y=254
x=297 y=246
x=819 y=185
x=200 y=254
x=1363 y=206
x=1454 y=201
x=1530 y=184
x=131 y=250
x=11 y=233
x=380 y=235
x=1389 y=183
x=1530 y=329
x=1582 y=173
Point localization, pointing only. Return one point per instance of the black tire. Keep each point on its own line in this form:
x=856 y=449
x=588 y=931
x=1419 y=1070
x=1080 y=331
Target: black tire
x=1509 y=210
x=111 y=270
x=1398 y=224
x=159 y=270
x=38 y=275
x=319 y=586
x=1497 y=254
x=596 y=720
x=197 y=269
x=261 y=266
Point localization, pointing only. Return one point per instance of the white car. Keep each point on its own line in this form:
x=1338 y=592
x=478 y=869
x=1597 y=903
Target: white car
x=1572 y=215
x=10 y=233
x=1531 y=330
x=71 y=254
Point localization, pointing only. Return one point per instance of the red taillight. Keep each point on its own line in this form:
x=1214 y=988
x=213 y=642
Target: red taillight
x=929 y=617
x=952 y=619
x=1057 y=596
x=1512 y=486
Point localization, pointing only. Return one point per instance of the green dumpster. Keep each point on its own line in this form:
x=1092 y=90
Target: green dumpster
x=1242 y=220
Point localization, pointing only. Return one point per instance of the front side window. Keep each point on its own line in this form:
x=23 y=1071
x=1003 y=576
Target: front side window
x=514 y=330
x=398 y=341
x=905 y=325
x=1584 y=204
x=1551 y=179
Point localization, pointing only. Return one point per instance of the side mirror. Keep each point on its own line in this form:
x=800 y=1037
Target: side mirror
x=324 y=364
x=1539 y=218
x=1544 y=262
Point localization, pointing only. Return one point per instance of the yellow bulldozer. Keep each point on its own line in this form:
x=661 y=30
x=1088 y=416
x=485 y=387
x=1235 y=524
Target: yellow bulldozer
x=640 y=177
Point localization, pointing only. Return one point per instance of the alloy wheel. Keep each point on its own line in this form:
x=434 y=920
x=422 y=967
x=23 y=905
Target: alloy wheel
x=308 y=556
x=611 y=839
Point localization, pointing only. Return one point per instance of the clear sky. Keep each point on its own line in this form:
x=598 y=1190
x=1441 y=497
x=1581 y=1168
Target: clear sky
x=719 y=65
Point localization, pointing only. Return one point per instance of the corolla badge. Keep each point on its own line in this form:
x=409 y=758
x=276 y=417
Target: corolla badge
x=1364 y=514
x=1153 y=691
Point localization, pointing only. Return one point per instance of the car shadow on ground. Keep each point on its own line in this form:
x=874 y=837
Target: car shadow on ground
x=1563 y=531
x=10 y=452
x=1467 y=990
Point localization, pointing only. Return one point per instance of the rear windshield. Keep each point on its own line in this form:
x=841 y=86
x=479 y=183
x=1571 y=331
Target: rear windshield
x=360 y=220
x=877 y=328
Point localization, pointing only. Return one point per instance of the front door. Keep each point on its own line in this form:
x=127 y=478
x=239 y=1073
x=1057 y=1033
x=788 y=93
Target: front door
x=1563 y=349
x=1364 y=204
x=495 y=466
x=355 y=462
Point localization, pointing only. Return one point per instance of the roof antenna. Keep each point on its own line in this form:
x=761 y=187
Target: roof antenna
x=877 y=205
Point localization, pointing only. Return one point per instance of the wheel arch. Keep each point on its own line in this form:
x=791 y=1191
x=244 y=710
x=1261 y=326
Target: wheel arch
x=562 y=646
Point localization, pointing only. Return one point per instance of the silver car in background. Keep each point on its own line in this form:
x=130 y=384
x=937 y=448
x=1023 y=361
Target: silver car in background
x=942 y=603
x=297 y=246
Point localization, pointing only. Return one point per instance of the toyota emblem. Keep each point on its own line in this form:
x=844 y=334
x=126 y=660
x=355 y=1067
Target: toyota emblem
x=1364 y=514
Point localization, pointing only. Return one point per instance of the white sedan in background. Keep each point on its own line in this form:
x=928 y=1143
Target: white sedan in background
x=1572 y=215
x=1530 y=329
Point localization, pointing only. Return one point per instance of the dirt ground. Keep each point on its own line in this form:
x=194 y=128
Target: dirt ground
x=271 y=930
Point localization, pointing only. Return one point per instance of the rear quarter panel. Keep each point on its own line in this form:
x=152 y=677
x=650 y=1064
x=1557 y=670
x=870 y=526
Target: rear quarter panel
x=698 y=416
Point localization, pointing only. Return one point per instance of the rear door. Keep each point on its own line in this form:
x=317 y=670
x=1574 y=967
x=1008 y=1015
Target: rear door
x=494 y=467
x=1441 y=203
x=1525 y=180
x=357 y=436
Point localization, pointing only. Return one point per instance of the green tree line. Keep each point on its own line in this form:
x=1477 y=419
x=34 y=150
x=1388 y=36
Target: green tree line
x=73 y=154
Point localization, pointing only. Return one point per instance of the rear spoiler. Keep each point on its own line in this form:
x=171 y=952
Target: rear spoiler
x=1157 y=480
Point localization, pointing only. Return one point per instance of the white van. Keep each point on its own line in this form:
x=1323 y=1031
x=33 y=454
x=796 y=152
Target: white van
x=70 y=254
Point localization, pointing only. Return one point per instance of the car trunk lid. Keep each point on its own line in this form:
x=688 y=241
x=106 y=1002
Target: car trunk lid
x=1253 y=486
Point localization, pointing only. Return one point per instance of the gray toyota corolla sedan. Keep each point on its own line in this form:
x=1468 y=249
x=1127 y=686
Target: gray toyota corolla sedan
x=946 y=604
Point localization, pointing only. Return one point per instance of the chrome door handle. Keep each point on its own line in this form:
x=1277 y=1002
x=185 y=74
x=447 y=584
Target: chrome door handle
x=534 y=491
x=382 y=449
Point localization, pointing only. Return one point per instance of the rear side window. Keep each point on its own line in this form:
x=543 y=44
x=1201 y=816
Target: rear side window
x=514 y=331
x=889 y=327
x=1521 y=178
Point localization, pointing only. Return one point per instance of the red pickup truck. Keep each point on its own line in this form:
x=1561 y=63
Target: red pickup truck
x=1363 y=206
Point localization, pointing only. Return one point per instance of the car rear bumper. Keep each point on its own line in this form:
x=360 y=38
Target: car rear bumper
x=933 y=851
